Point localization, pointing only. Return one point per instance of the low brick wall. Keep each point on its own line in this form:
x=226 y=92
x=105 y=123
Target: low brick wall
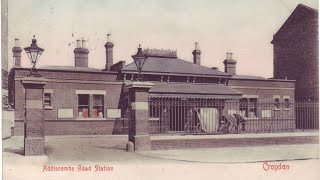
x=78 y=127
x=164 y=144
x=267 y=125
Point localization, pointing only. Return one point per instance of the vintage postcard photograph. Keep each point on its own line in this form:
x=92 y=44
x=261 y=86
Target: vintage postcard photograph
x=160 y=89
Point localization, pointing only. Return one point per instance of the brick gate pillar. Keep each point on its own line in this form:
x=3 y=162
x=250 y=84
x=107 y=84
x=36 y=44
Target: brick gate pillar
x=139 y=121
x=33 y=126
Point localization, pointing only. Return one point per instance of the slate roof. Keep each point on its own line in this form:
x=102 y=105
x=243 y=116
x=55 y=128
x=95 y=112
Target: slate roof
x=173 y=66
x=190 y=88
x=70 y=68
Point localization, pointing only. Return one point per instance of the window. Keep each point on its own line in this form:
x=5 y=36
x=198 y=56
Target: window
x=252 y=108
x=47 y=100
x=88 y=109
x=98 y=108
x=244 y=107
x=286 y=104
x=276 y=104
x=248 y=107
x=83 y=105
x=154 y=112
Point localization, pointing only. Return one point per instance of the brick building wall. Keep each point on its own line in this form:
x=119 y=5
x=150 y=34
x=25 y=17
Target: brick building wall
x=266 y=92
x=264 y=89
x=63 y=86
x=295 y=48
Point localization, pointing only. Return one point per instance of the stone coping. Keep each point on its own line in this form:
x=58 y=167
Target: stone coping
x=138 y=84
x=33 y=80
x=227 y=136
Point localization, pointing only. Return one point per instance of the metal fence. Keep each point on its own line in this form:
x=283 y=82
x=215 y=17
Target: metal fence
x=220 y=116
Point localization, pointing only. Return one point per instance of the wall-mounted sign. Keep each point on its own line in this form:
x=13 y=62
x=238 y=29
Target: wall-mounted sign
x=113 y=113
x=65 y=113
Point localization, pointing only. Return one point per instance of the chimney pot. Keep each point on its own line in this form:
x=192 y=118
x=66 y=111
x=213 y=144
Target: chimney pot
x=109 y=38
x=229 y=56
x=78 y=43
x=84 y=44
x=16 y=43
x=196 y=44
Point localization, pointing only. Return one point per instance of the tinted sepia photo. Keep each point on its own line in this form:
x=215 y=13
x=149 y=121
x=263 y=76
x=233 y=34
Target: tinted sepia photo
x=160 y=89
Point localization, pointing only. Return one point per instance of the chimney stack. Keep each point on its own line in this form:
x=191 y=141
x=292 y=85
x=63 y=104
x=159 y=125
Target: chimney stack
x=230 y=64
x=196 y=54
x=109 y=53
x=81 y=54
x=17 y=53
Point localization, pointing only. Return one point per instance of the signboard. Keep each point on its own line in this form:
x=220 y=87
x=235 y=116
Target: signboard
x=113 y=113
x=65 y=113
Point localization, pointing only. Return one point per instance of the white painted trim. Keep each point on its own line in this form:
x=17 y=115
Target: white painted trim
x=91 y=92
x=227 y=136
x=89 y=118
x=140 y=105
x=250 y=96
x=139 y=85
x=154 y=119
x=276 y=96
x=47 y=107
x=48 y=91
x=286 y=97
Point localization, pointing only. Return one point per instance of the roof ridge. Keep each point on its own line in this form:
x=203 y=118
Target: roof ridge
x=307 y=7
x=174 y=65
x=201 y=66
x=299 y=5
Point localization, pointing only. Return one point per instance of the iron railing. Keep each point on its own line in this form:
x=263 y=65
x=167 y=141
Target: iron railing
x=216 y=116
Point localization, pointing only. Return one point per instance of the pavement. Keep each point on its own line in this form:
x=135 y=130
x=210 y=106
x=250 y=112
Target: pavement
x=303 y=160
x=239 y=154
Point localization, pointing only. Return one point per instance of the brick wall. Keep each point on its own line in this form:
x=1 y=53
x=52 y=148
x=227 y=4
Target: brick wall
x=64 y=86
x=230 y=142
x=83 y=127
x=265 y=89
x=295 y=48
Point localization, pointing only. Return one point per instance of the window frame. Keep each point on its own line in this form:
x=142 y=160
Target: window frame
x=99 y=106
x=286 y=103
x=83 y=105
x=47 y=106
x=248 y=104
x=276 y=103
x=94 y=105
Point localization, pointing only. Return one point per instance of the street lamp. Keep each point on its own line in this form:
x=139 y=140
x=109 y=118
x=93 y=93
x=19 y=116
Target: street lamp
x=139 y=59
x=34 y=52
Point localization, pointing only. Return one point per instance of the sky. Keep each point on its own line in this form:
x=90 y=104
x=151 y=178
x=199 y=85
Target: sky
x=243 y=27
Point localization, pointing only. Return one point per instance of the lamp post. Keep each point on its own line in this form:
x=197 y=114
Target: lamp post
x=34 y=52
x=139 y=59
